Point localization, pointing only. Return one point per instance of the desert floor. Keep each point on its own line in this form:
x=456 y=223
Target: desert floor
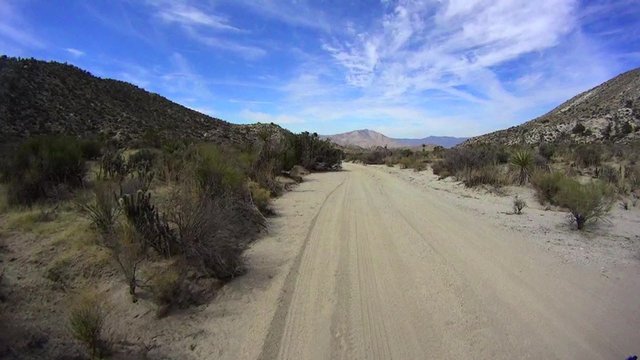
x=382 y=263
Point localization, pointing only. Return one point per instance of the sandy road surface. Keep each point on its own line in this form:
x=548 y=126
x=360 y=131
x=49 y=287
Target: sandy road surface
x=391 y=271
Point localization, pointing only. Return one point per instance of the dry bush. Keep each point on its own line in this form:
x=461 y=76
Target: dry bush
x=129 y=253
x=518 y=205
x=166 y=289
x=87 y=315
x=212 y=232
x=587 y=155
x=585 y=202
x=261 y=197
x=488 y=175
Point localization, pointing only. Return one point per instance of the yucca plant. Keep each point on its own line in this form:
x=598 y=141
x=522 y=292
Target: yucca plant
x=523 y=161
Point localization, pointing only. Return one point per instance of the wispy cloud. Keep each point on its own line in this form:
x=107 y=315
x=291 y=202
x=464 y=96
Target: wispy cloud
x=75 y=52
x=187 y=15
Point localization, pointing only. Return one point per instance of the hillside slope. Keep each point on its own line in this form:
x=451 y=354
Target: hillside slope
x=608 y=112
x=368 y=138
x=38 y=97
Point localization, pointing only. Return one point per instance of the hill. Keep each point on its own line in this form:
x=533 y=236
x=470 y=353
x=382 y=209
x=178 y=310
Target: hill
x=369 y=138
x=609 y=112
x=38 y=97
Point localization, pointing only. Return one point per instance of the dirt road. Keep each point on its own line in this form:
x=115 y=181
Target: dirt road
x=390 y=271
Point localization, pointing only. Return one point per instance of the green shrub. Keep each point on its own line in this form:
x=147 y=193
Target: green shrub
x=86 y=319
x=586 y=203
x=41 y=166
x=547 y=185
x=217 y=171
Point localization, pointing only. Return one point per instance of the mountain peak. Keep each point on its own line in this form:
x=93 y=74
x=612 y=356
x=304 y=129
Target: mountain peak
x=368 y=138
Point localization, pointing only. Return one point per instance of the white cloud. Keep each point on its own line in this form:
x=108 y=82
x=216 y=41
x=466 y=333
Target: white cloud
x=75 y=52
x=187 y=15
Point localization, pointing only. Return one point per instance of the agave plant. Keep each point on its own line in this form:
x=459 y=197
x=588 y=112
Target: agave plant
x=523 y=161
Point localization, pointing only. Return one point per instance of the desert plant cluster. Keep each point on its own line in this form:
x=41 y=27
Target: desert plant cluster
x=160 y=218
x=584 y=179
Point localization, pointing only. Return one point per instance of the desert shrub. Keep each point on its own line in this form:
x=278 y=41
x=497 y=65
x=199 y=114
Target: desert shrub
x=608 y=174
x=113 y=165
x=103 y=210
x=86 y=321
x=311 y=152
x=142 y=160
x=547 y=185
x=153 y=228
x=212 y=232
x=261 y=197
x=626 y=128
x=633 y=176
x=488 y=175
x=546 y=150
x=466 y=160
x=389 y=161
x=165 y=288
x=91 y=149
x=406 y=162
x=128 y=252
x=215 y=171
x=585 y=202
x=518 y=205
x=587 y=155
x=42 y=167
x=578 y=129
x=523 y=161
x=418 y=166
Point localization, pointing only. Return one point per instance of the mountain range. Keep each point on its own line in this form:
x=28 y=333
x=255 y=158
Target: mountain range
x=368 y=138
x=41 y=98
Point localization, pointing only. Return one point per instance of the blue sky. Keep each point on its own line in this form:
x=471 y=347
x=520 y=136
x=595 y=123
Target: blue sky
x=407 y=68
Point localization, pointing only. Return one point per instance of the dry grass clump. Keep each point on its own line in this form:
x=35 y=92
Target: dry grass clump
x=87 y=316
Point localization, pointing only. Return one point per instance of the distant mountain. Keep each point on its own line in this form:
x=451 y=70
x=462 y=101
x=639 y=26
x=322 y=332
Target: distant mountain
x=38 y=97
x=369 y=138
x=609 y=112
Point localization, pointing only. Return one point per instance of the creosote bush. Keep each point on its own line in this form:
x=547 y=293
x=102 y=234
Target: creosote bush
x=86 y=321
x=586 y=202
x=547 y=185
